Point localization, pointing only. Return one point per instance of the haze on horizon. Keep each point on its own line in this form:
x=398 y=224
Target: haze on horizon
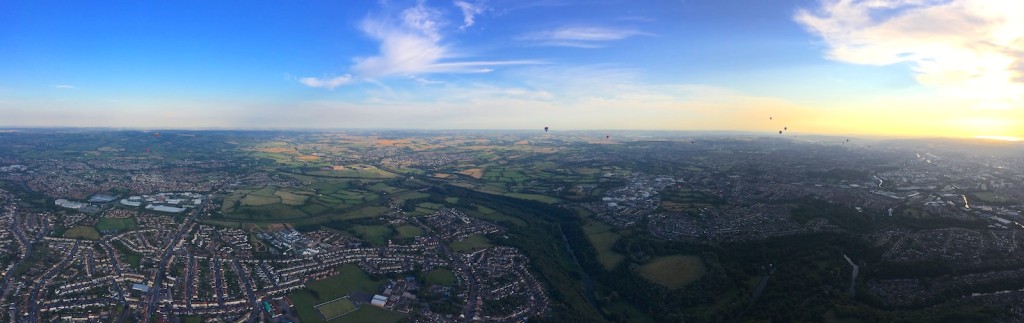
x=929 y=68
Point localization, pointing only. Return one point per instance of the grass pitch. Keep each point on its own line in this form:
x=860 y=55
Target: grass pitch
x=336 y=308
x=82 y=232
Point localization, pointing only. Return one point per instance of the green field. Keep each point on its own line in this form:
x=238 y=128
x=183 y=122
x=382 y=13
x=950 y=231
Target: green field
x=192 y=319
x=293 y=197
x=990 y=197
x=349 y=279
x=130 y=257
x=408 y=231
x=82 y=232
x=323 y=200
x=489 y=214
x=370 y=314
x=105 y=224
x=367 y=172
x=603 y=239
x=336 y=308
x=377 y=235
x=534 y=197
x=440 y=276
x=674 y=272
x=410 y=195
x=384 y=188
x=473 y=242
x=362 y=213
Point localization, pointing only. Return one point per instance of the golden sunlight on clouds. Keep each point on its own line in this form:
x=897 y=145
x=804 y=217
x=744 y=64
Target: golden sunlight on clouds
x=968 y=49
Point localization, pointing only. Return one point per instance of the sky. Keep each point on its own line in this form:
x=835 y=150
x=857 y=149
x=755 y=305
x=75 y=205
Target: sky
x=918 y=68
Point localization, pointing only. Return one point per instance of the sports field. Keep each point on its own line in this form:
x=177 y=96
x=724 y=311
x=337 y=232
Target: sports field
x=336 y=308
x=82 y=232
x=116 y=224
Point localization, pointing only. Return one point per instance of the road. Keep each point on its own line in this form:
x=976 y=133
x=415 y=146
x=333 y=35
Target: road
x=249 y=290
x=33 y=301
x=156 y=290
x=853 y=280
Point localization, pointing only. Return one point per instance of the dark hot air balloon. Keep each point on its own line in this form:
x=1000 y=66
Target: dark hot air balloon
x=545 y=129
x=780 y=132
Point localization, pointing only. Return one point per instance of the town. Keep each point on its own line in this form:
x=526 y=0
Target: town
x=297 y=227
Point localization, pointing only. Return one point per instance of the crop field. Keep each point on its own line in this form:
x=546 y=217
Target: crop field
x=82 y=232
x=332 y=199
x=476 y=173
x=674 y=272
x=504 y=175
x=356 y=171
x=473 y=242
x=336 y=308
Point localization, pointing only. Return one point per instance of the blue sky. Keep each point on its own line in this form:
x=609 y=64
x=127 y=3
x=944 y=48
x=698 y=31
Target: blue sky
x=899 y=67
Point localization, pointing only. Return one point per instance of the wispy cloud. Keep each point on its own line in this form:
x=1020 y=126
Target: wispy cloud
x=413 y=44
x=64 y=86
x=469 y=12
x=581 y=36
x=327 y=83
x=972 y=49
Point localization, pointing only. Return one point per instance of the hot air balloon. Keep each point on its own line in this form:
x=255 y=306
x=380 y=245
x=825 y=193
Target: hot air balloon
x=545 y=129
x=785 y=128
x=606 y=136
x=780 y=132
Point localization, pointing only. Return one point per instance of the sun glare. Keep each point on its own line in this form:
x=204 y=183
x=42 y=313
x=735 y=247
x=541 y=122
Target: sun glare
x=1001 y=138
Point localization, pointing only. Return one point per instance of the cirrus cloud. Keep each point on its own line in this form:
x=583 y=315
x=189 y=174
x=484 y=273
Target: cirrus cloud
x=581 y=36
x=412 y=44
